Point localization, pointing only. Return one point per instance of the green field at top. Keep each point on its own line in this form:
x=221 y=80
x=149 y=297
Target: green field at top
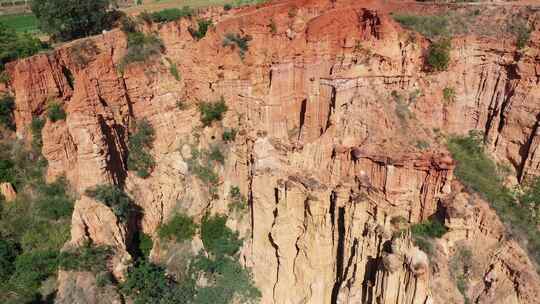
x=20 y=22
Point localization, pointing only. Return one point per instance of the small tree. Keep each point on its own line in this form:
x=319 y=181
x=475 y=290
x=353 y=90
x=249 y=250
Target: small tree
x=438 y=56
x=66 y=20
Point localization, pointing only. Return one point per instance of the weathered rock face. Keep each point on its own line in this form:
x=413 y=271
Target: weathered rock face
x=330 y=109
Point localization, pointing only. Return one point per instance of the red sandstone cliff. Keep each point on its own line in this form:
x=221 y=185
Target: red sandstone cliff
x=322 y=153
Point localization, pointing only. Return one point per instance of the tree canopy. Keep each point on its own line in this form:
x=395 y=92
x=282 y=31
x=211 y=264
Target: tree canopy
x=66 y=20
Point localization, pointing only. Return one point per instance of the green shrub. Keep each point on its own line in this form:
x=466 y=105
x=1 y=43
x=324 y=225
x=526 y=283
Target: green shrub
x=173 y=69
x=429 y=228
x=36 y=127
x=146 y=283
x=7 y=106
x=438 y=56
x=171 y=14
x=203 y=26
x=236 y=40
x=212 y=111
x=114 y=198
x=237 y=202
x=180 y=228
x=229 y=135
x=55 y=112
x=429 y=26
x=140 y=143
x=217 y=238
x=273 y=27
x=85 y=258
x=228 y=281
x=140 y=48
x=449 y=94
x=145 y=244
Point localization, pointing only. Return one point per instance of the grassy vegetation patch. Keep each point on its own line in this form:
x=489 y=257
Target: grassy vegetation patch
x=170 y=14
x=141 y=47
x=480 y=174
x=20 y=22
x=429 y=26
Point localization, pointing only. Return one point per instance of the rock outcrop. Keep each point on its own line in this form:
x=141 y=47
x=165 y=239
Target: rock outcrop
x=330 y=107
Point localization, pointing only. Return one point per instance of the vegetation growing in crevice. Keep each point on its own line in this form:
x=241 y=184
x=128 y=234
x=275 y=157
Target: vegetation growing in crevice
x=202 y=27
x=212 y=111
x=114 y=198
x=201 y=164
x=55 y=112
x=140 y=143
x=239 y=41
x=480 y=174
x=449 y=94
x=229 y=135
x=237 y=202
x=173 y=69
x=36 y=126
x=461 y=266
x=423 y=234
